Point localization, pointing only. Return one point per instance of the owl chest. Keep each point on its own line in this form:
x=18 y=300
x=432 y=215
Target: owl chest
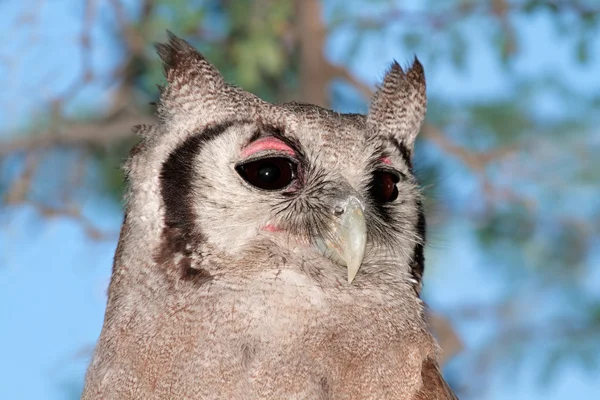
x=291 y=307
x=297 y=336
x=285 y=338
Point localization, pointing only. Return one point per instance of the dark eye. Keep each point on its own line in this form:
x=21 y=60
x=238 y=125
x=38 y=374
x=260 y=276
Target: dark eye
x=273 y=173
x=383 y=186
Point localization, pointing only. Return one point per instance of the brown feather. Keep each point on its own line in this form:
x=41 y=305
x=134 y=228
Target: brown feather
x=434 y=386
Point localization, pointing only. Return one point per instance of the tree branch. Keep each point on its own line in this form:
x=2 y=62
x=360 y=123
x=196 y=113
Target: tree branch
x=440 y=18
x=311 y=34
x=74 y=213
x=83 y=134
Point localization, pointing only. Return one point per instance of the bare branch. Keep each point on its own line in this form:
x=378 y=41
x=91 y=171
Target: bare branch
x=86 y=57
x=344 y=73
x=74 y=213
x=20 y=186
x=311 y=34
x=83 y=134
x=477 y=161
x=441 y=17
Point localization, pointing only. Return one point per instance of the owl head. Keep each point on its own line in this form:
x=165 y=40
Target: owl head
x=226 y=177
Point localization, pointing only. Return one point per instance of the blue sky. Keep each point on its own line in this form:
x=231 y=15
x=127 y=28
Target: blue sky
x=53 y=278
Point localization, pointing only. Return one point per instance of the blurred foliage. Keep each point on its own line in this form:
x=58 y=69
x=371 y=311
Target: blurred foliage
x=245 y=40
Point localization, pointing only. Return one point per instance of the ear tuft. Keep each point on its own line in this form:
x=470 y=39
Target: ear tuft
x=393 y=78
x=416 y=76
x=189 y=75
x=169 y=52
x=398 y=107
x=183 y=63
x=177 y=55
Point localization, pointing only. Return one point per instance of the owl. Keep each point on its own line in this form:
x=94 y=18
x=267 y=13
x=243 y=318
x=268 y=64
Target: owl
x=269 y=251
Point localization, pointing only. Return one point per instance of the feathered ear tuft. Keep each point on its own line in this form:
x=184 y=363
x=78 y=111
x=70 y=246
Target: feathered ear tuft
x=183 y=63
x=398 y=107
x=181 y=60
x=416 y=75
x=188 y=75
x=170 y=52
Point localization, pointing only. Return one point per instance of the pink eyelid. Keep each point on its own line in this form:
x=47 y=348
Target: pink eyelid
x=271 y=228
x=386 y=160
x=265 y=144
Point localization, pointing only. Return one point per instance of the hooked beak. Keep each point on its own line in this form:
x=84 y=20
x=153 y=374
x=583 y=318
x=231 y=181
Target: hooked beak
x=347 y=237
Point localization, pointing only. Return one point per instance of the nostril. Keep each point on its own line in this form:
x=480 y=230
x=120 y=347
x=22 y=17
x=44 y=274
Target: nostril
x=338 y=210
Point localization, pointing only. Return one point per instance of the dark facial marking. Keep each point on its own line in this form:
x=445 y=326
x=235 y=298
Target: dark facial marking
x=417 y=263
x=176 y=176
x=403 y=150
x=198 y=276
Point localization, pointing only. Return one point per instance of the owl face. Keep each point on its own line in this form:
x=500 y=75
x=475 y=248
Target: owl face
x=294 y=178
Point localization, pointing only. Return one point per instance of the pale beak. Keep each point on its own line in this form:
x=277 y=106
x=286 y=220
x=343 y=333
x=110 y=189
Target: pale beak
x=347 y=237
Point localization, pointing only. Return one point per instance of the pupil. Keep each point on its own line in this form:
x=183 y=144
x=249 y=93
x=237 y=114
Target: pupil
x=387 y=187
x=273 y=173
x=384 y=187
x=269 y=173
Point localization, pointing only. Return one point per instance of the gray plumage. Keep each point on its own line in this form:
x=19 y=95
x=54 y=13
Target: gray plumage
x=218 y=290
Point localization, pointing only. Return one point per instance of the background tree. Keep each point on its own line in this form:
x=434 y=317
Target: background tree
x=510 y=168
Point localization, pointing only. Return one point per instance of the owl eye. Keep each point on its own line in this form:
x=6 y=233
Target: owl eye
x=273 y=173
x=383 y=186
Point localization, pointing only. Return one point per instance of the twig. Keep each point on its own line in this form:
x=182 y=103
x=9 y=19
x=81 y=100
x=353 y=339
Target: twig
x=440 y=18
x=475 y=161
x=344 y=73
x=20 y=186
x=87 y=74
x=75 y=213
x=99 y=133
